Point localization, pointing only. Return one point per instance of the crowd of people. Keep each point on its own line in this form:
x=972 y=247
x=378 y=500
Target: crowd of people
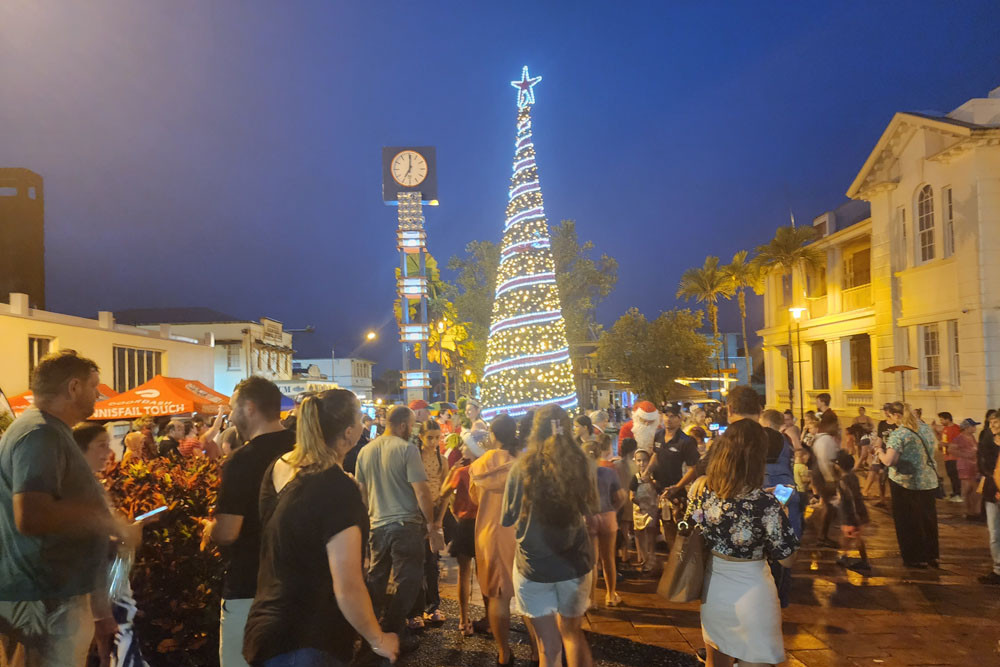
x=332 y=523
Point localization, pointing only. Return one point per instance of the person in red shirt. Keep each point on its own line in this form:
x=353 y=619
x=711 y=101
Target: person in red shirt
x=463 y=544
x=949 y=431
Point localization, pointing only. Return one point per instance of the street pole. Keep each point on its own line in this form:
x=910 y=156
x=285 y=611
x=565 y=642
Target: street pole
x=791 y=370
x=798 y=351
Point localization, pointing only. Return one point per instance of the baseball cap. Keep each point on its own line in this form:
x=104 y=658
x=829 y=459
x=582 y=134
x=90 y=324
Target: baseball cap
x=969 y=421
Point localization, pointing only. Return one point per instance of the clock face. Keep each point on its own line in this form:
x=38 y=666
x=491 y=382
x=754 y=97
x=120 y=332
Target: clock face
x=409 y=168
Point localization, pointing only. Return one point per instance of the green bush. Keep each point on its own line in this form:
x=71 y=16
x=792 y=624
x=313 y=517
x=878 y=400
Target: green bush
x=177 y=587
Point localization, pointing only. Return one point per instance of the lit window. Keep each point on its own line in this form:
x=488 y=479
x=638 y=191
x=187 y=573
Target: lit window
x=930 y=355
x=233 y=355
x=949 y=222
x=38 y=347
x=956 y=375
x=133 y=367
x=925 y=223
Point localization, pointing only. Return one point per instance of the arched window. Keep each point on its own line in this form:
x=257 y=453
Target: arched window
x=925 y=223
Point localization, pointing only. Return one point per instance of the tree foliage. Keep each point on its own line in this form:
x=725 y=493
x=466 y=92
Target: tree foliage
x=177 y=586
x=707 y=285
x=583 y=280
x=789 y=251
x=744 y=275
x=649 y=356
x=476 y=283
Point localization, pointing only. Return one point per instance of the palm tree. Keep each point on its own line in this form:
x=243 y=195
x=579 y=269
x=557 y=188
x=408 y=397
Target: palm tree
x=706 y=285
x=788 y=250
x=743 y=274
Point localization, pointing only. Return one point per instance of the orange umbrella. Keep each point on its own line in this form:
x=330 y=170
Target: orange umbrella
x=161 y=396
x=22 y=402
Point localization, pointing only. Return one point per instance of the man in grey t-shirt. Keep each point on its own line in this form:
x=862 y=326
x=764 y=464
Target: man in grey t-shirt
x=54 y=523
x=394 y=485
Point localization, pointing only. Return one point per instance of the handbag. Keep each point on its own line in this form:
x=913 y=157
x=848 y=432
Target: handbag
x=684 y=572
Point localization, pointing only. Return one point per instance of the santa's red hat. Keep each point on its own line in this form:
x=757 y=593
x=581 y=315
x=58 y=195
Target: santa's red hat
x=647 y=408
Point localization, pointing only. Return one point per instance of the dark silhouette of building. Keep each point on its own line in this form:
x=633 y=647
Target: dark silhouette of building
x=22 y=235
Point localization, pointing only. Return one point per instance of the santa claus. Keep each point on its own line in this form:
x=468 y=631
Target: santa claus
x=644 y=426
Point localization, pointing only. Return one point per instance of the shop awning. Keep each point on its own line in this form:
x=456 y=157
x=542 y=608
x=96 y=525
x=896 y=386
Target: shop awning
x=22 y=402
x=161 y=396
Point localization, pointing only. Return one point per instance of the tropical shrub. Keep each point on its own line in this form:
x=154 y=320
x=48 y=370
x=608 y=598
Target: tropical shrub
x=177 y=587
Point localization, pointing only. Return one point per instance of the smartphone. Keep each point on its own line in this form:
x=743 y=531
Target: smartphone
x=722 y=429
x=713 y=427
x=783 y=492
x=143 y=517
x=373 y=432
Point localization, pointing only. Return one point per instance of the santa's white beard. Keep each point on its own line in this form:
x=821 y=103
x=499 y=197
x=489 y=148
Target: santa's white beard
x=644 y=432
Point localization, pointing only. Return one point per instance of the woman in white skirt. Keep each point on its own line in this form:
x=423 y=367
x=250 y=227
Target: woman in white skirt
x=743 y=527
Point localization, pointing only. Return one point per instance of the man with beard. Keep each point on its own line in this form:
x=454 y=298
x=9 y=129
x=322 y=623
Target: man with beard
x=54 y=524
x=644 y=427
x=256 y=405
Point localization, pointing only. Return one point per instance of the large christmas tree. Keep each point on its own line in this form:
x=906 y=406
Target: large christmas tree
x=527 y=355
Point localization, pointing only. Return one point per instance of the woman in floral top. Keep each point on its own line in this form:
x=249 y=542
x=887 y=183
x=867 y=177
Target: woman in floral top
x=743 y=526
x=913 y=481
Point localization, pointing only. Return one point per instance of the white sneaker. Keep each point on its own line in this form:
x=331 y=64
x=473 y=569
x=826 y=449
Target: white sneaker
x=955 y=499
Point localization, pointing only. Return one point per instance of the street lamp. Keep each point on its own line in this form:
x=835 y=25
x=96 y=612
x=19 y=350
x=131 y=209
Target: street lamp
x=797 y=316
x=371 y=335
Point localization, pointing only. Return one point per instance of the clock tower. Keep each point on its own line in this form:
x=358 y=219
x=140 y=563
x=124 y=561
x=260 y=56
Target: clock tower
x=409 y=181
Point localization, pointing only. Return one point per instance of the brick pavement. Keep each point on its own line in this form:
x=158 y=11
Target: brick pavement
x=896 y=617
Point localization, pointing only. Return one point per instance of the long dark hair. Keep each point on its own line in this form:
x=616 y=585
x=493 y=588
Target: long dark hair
x=559 y=479
x=504 y=429
x=737 y=462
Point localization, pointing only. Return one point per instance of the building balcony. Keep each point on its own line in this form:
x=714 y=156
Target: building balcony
x=858 y=397
x=857 y=297
x=817 y=306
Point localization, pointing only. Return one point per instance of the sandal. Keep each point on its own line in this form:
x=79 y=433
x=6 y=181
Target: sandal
x=613 y=601
x=466 y=629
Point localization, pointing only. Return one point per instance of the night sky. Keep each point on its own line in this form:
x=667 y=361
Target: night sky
x=227 y=153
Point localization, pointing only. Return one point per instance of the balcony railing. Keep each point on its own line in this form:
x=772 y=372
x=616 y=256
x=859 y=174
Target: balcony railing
x=856 y=397
x=857 y=297
x=817 y=306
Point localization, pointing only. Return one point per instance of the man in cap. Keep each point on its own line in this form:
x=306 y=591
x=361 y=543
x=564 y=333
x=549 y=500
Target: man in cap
x=422 y=412
x=644 y=427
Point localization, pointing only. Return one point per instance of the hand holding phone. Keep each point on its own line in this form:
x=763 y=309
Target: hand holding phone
x=151 y=513
x=783 y=492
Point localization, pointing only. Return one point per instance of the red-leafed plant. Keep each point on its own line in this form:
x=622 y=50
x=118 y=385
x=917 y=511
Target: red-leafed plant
x=176 y=586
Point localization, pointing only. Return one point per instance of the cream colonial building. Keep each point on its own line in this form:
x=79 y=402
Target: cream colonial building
x=914 y=282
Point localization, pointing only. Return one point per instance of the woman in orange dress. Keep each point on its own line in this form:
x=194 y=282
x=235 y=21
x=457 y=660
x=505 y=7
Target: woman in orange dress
x=495 y=544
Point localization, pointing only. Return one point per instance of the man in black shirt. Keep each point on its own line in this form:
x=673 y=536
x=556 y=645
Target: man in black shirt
x=169 y=446
x=256 y=406
x=351 y=457
x=667 y=466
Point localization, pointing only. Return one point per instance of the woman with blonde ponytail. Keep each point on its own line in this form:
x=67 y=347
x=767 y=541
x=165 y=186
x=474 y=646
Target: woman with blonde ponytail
x=913 y=481
x=311 y=594
x=551 y=494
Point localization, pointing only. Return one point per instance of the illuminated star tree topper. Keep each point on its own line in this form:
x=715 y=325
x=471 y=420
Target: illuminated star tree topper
x=525 y=94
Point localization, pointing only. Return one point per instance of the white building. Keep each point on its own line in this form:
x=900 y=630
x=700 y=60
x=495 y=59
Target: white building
x=351 y=373
x=242 y=347
x=128 y=356
x=917 y=283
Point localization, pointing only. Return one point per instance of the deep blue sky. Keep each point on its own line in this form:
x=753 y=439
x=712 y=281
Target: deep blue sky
x=226 y=153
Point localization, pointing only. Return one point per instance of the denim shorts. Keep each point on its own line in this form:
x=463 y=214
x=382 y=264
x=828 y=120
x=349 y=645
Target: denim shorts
x=567 y=598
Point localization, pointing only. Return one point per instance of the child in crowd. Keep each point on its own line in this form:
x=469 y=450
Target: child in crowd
x=463 y=543
x=604 y=526
x=800 y=470
x=645 y=513
x=853 y=513
x=626 y=468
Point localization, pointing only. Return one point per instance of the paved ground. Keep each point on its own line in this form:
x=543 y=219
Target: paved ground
x=896 y=617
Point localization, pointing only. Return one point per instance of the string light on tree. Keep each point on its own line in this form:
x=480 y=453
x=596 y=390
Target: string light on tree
x=527 y=354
